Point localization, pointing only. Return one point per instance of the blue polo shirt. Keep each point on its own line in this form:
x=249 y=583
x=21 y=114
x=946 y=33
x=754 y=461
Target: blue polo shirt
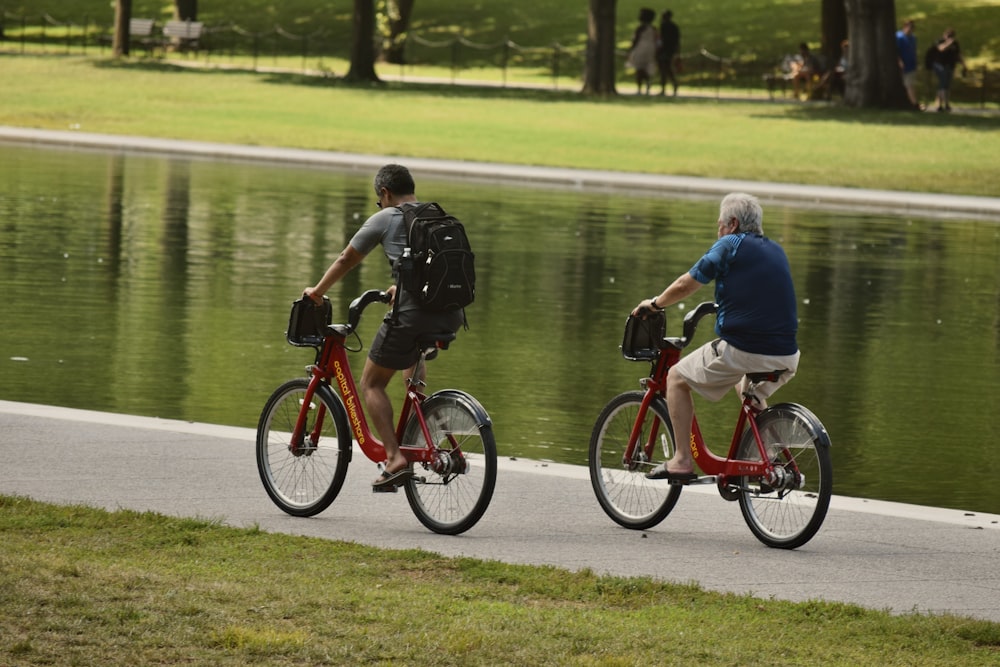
x=906 y=47
x=754 y=291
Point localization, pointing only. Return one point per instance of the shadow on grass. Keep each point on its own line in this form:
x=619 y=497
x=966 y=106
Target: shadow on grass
x=972 y=119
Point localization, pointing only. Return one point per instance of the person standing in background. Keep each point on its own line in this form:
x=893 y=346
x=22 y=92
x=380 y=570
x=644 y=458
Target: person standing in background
x=668 y=54
x=906 y=54
x=642 y=53
x=948 y=56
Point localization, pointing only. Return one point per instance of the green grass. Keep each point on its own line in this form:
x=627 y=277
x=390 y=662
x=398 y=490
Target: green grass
x=756 y=141
x=81 y=586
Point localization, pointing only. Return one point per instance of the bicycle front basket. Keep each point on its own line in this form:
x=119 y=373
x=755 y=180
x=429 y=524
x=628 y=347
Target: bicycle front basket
x=307 y=322
x=643 y=337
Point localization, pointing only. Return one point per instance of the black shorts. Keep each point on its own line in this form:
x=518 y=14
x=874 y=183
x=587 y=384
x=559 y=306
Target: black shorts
x=395 y=344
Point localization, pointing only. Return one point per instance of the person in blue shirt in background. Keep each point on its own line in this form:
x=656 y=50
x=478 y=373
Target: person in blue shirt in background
x=906 y=51
x=756 y=321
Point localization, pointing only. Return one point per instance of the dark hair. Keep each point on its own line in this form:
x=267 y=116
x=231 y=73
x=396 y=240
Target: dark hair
x=396 y=179
x=646 y=15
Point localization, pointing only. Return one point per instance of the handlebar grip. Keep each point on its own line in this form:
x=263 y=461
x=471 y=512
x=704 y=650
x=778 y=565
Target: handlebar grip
x=359 y=304
x=692 y=318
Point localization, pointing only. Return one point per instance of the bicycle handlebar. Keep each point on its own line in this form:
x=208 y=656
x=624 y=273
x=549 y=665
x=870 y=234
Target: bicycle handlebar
x=692 y=318
x=359 y=304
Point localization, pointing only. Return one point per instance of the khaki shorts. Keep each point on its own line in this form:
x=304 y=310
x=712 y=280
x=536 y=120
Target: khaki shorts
x=716 y=367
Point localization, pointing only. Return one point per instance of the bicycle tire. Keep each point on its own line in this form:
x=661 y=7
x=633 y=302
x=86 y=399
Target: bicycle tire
x=798 y=443
x=302 y=483
x=621 y=487
x=451 y=495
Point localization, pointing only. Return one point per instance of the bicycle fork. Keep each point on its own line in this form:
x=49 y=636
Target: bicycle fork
x=298 y=445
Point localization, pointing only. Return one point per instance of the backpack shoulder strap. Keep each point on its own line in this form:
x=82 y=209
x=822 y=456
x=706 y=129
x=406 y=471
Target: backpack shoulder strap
x=412 y=211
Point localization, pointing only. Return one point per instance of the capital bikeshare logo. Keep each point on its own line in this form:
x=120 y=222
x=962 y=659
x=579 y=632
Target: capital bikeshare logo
x=351 y=402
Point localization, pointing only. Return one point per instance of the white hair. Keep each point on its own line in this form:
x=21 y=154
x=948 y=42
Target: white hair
x=746 y=209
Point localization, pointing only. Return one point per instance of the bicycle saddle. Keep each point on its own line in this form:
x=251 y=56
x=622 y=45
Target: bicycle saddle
x=430 y=343
x=767 y=376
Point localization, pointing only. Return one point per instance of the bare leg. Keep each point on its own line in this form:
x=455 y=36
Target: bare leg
x=374 y=380
x=680 y=404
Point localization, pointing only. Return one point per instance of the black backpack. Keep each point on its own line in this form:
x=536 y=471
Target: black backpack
x=438 y=266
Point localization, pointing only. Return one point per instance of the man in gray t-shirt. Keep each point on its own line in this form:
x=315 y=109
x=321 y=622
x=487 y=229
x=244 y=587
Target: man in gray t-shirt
x=395 y=345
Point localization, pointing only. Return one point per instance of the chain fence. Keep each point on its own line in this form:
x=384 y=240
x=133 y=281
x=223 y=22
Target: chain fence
x=503 y=62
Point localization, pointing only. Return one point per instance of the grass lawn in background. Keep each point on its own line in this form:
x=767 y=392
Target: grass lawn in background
x=762 y=141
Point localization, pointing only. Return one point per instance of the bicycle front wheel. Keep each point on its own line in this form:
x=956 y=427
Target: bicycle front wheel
x=303 y=478
x=786 y=512
x=619 y=480
x=451 y=493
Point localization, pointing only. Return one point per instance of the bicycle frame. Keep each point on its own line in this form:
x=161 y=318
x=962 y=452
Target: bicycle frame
x=716 y=468
x=333 y=370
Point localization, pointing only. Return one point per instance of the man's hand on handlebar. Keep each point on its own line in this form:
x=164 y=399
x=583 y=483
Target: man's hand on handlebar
x=646 y=307
x=313 y=295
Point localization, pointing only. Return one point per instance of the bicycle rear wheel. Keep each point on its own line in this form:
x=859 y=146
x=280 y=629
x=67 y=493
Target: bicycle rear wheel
x=450 y=494
x=305 y=479
x=621 y=485
x=788 y=512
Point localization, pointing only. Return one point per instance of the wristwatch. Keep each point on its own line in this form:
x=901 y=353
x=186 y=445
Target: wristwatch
x=652 y=302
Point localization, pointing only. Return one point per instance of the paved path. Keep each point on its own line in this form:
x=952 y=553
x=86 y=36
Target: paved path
x=880 y=555
x=914 y=203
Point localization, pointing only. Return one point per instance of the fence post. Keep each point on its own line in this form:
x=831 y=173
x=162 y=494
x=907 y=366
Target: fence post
x=982 y=92
x=555 y=66
x=505 y=56
x=454 y=60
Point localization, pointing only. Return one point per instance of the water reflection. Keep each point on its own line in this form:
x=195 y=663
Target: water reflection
x=161 y=287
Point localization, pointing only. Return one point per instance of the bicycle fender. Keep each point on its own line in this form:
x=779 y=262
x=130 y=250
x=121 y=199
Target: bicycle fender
x=340 y=417
x=470 y=402
x=807 y=415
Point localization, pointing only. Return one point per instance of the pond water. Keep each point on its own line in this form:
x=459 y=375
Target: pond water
x=161 y=286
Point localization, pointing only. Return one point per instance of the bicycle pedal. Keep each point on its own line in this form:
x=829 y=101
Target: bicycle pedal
x=388 y=488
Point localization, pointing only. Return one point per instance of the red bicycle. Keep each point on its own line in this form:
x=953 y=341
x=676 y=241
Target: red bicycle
x=304 y=436
x=778 y=464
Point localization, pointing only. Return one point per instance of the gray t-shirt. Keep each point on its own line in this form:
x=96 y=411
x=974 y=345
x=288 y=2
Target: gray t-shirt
x=386 y=228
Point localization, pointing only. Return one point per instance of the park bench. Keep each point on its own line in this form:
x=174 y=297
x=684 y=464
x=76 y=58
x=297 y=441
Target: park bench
x=140 y=32
x=780 y=77
x=183 y=34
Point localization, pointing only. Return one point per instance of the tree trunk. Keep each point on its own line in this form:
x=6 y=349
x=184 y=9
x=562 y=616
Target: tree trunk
x=599 y=68
x=873 y=76
x=834 y=29
x=186 y=10
x=363 y=43
x=122 y=37
x=399 y=23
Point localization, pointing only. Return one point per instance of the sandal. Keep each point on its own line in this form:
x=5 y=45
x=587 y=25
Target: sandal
x=389 y=481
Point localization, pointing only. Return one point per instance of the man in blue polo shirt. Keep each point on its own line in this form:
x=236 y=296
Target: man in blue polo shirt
x=906 y=51
x=756 y=322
